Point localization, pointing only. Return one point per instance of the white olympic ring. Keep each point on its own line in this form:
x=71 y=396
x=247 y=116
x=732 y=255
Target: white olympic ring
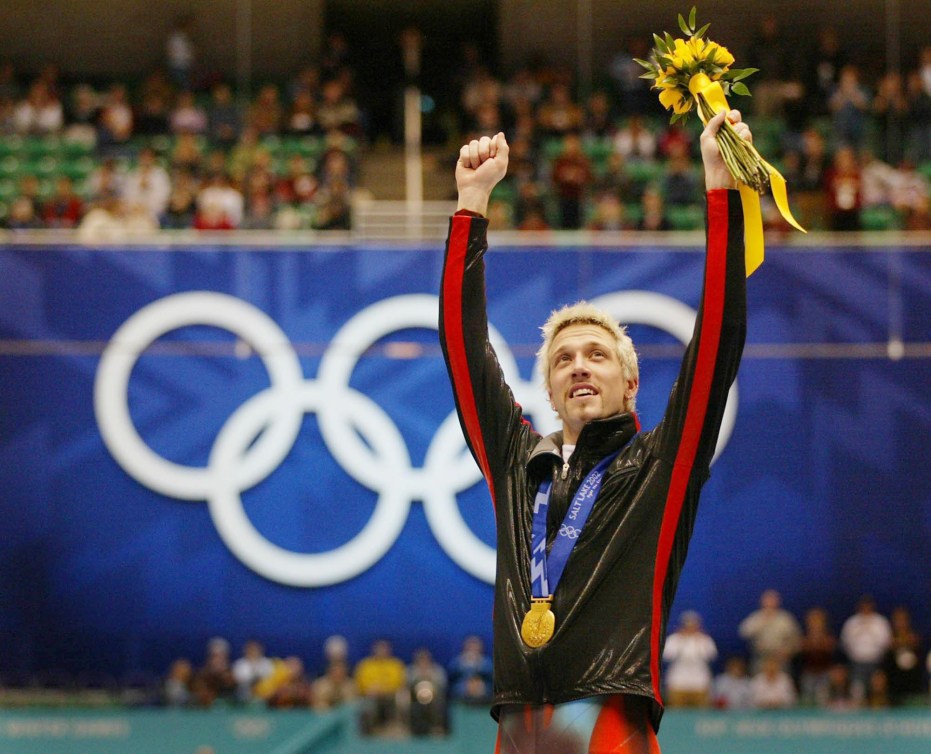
x=358 y=433
x=568 y=531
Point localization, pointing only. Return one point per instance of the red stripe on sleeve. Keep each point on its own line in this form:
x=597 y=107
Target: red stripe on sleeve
x=712 y=317
x=455 y=340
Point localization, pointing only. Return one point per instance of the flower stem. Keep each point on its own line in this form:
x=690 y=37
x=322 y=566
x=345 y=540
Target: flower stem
x=740 y=156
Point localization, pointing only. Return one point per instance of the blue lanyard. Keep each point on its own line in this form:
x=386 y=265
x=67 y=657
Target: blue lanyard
x=546 y=570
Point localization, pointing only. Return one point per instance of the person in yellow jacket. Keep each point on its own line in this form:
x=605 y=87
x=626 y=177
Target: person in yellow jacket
x=379 y=677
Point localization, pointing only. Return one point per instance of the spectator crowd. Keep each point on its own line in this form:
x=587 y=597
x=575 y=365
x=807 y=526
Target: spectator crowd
x=872 y=662
x=182 y=149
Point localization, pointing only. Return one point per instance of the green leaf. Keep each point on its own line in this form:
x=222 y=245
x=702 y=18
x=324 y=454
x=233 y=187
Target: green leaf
x=741 y=73
x=645 y=63
x=664 y=61
x=684 y=26
x=660 y=44
x=701 y=32
x=649 y=75
x=670 y=42
x=692 y=16
x=740 y=89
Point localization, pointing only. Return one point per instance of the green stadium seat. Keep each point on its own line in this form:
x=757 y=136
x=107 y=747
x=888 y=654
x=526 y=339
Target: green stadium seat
x=880 y=218
x=685 y=217
x=10 y=165
x=7 y=189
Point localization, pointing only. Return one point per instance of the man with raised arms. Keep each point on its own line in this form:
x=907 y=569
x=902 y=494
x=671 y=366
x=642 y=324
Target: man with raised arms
x=593 y=522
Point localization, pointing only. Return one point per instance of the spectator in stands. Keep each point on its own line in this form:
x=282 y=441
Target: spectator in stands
x=890 y=111
x=823 y=70
x=767 y=52
x=81 y=113
x=251 y=668
x=64 y=208
x=334 y=688
x=919 y=116
x=843 y=190
x=633 y=92
x=599 y=118
x=187 y=117
x=214 y=681
x=865 y=638
x=379 y=678
x=181 y=201
x=220 y=205
x=877 y=690
x=148 y=184
x=689 y=652
x=681 y=185
x=338 y=110
x=115 y=124
x=302 y=115
x=288 y=687
x=771 y=687
x=635 y=142
x=427 y=683
x=911 y=196
x=29 y=195
x=850 y=104
x=223 y=117
x=265 y=113
x=558 y=114
x=180 y=52
x=105 y=181
x=771 y=632
x=332 y=206
x=838 y=696
x=653 y=211
x=153 y=114
x=114 y=220
x=572 y=175
x=469 y=663
x=187 y=154
x=177 y=687
x=902 y=661
x=22 y=215
x=731 y=689
x=607 y=213
x=817 y=654
x=40 y=112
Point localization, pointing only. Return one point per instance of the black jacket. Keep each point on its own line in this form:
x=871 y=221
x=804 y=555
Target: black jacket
x=612 y=605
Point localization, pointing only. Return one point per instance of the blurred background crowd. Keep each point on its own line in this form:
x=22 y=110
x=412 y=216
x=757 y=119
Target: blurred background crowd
x=864 y=660
x=181 y=148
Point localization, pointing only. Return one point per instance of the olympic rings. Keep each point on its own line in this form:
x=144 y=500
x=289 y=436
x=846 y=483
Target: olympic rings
x=358 y=433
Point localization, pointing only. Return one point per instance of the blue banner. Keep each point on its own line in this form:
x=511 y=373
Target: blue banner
x=261 y=442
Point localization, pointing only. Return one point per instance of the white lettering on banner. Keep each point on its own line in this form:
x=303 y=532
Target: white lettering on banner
x=358 y=433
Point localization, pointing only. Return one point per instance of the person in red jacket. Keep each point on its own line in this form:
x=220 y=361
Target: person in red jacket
x=578 y=640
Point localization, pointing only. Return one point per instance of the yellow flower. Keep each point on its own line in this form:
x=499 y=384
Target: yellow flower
x=698 y=47
x=683 y=54
x=722 y=56
x=672 y=98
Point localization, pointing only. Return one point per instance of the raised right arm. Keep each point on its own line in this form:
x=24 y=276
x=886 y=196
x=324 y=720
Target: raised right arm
x=487 y=411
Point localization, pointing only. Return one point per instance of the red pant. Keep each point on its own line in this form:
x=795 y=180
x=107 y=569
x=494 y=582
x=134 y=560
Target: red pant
x=598 y=725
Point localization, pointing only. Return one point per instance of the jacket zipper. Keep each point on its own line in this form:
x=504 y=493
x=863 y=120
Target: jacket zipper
x=565 y=470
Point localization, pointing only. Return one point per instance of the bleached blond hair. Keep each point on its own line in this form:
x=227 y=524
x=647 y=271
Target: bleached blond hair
x=584 y=313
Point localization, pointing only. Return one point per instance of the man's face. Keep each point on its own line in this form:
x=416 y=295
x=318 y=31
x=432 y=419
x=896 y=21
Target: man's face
x=587 y=379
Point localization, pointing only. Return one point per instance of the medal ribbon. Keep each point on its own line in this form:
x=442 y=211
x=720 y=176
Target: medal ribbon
x=749 y=199
x=546 y=571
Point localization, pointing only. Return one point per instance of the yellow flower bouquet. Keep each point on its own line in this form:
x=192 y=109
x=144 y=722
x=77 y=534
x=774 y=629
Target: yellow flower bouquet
x=695 y=74
x=684 y=71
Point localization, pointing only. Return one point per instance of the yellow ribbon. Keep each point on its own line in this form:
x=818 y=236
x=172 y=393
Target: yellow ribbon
x=749 y=199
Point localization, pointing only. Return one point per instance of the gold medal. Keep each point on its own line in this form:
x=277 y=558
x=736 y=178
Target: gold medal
x=539 y=623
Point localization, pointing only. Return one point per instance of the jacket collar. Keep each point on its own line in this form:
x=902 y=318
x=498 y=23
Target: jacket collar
x=597 y=439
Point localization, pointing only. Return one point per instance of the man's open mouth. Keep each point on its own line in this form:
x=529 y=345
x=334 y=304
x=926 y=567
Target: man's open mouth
x=582 y=391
